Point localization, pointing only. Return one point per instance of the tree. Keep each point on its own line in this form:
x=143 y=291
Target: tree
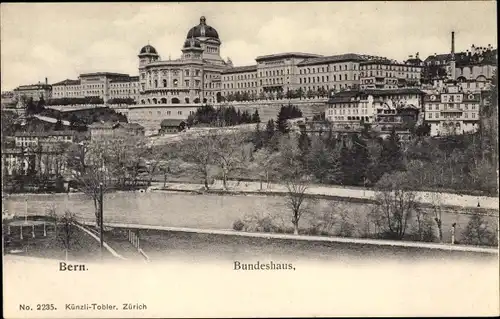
x=304 y=144
x=300 y=93
x=436 y=208
x=89 y=168
x=228 y=153
x=66 y=231
x=478 y=232
x=360 y=160
x=279 y=95
x=269 y=133
x=255 y=117
x=296 y=195
x=287 y=112
x=31 y=106
x=391 y=157
x=200 y=152
x=59 y=125
x=266 y=163
x=258 y=138
x=324 y=161
x=394 y=204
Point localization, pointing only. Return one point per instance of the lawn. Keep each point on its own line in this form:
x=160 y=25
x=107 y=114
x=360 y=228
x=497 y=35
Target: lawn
x=193 y=247
x=82 y=246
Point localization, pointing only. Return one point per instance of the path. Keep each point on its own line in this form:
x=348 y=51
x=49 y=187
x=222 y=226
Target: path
x=312 y=238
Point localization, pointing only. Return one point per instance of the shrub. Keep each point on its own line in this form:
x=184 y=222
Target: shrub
x=346 y=227
x=238 y=225
x=478 y=232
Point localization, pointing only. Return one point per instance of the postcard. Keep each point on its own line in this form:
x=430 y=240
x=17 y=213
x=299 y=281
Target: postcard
x=281 y=159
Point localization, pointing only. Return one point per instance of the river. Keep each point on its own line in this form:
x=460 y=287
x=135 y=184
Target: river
x=208 y=211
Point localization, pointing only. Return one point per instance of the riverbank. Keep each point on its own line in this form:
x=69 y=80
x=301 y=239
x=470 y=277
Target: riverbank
x=447 y=200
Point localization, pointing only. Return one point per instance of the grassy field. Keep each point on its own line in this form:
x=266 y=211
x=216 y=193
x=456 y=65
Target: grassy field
x=82 y=246
x=193 y=247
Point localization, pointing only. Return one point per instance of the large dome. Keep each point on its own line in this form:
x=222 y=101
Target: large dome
x=202 y=30
x=148 y=49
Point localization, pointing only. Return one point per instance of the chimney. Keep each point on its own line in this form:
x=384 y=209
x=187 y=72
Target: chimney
x=453 y=43
x=46 y=81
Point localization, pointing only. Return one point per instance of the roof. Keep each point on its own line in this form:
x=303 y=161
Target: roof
x=51 y=119
x=103 y=125
x=346 y=96
x=148 y=49
x=135 y=126
x=382 y=92
x=67 y=82
x=239 y=69
x=45 y=134
x=202 y=30
x=33 y=87
x=103 y=73
x=332 y=58
x=113 y=125
x=287 y=55
x=171 y=122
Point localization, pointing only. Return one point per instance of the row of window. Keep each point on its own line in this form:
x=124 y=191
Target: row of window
x=169 y=113
x=246 y=76
x=438 y=115
x=129 y=91
x=451 y=107
x=391 y=75
x=172 y=101
x=350 y=118
x=175 y=83
x=323 y=78
x=389 y=67
x=323 y=69
x=155 y=73
x=65 y=88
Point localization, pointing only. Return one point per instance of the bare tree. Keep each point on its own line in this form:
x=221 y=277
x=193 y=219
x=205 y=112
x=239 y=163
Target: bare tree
x=229 y=153
x=266 y=163
x=200 y=152
x=296 y=195
x=437 y=210
x=66 y=234
x=90 y=168
x=395 y=204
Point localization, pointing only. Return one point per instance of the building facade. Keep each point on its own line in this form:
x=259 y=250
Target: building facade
x=451 y=110
x=473 y=69
x=389 y=74
x=374 y=106
x=105 y=85
x=34 y=91
x=40 y=152
x=118 y=130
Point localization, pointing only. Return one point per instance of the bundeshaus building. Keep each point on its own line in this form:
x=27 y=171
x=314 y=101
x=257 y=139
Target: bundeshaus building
x=175 y=88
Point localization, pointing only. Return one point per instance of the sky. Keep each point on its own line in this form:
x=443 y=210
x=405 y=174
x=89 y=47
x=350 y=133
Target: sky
x=63 y=40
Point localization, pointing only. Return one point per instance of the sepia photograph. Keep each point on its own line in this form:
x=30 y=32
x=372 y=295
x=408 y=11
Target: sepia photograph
x=249 y=159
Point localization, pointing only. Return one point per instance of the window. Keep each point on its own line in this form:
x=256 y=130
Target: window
x=179 y=112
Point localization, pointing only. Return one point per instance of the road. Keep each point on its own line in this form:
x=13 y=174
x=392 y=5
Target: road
x=444 y=199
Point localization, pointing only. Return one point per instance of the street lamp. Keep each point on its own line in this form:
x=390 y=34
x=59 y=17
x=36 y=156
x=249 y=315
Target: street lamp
x=101 y=223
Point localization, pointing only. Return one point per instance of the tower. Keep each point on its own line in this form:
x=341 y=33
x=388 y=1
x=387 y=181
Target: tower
x=147 y=55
